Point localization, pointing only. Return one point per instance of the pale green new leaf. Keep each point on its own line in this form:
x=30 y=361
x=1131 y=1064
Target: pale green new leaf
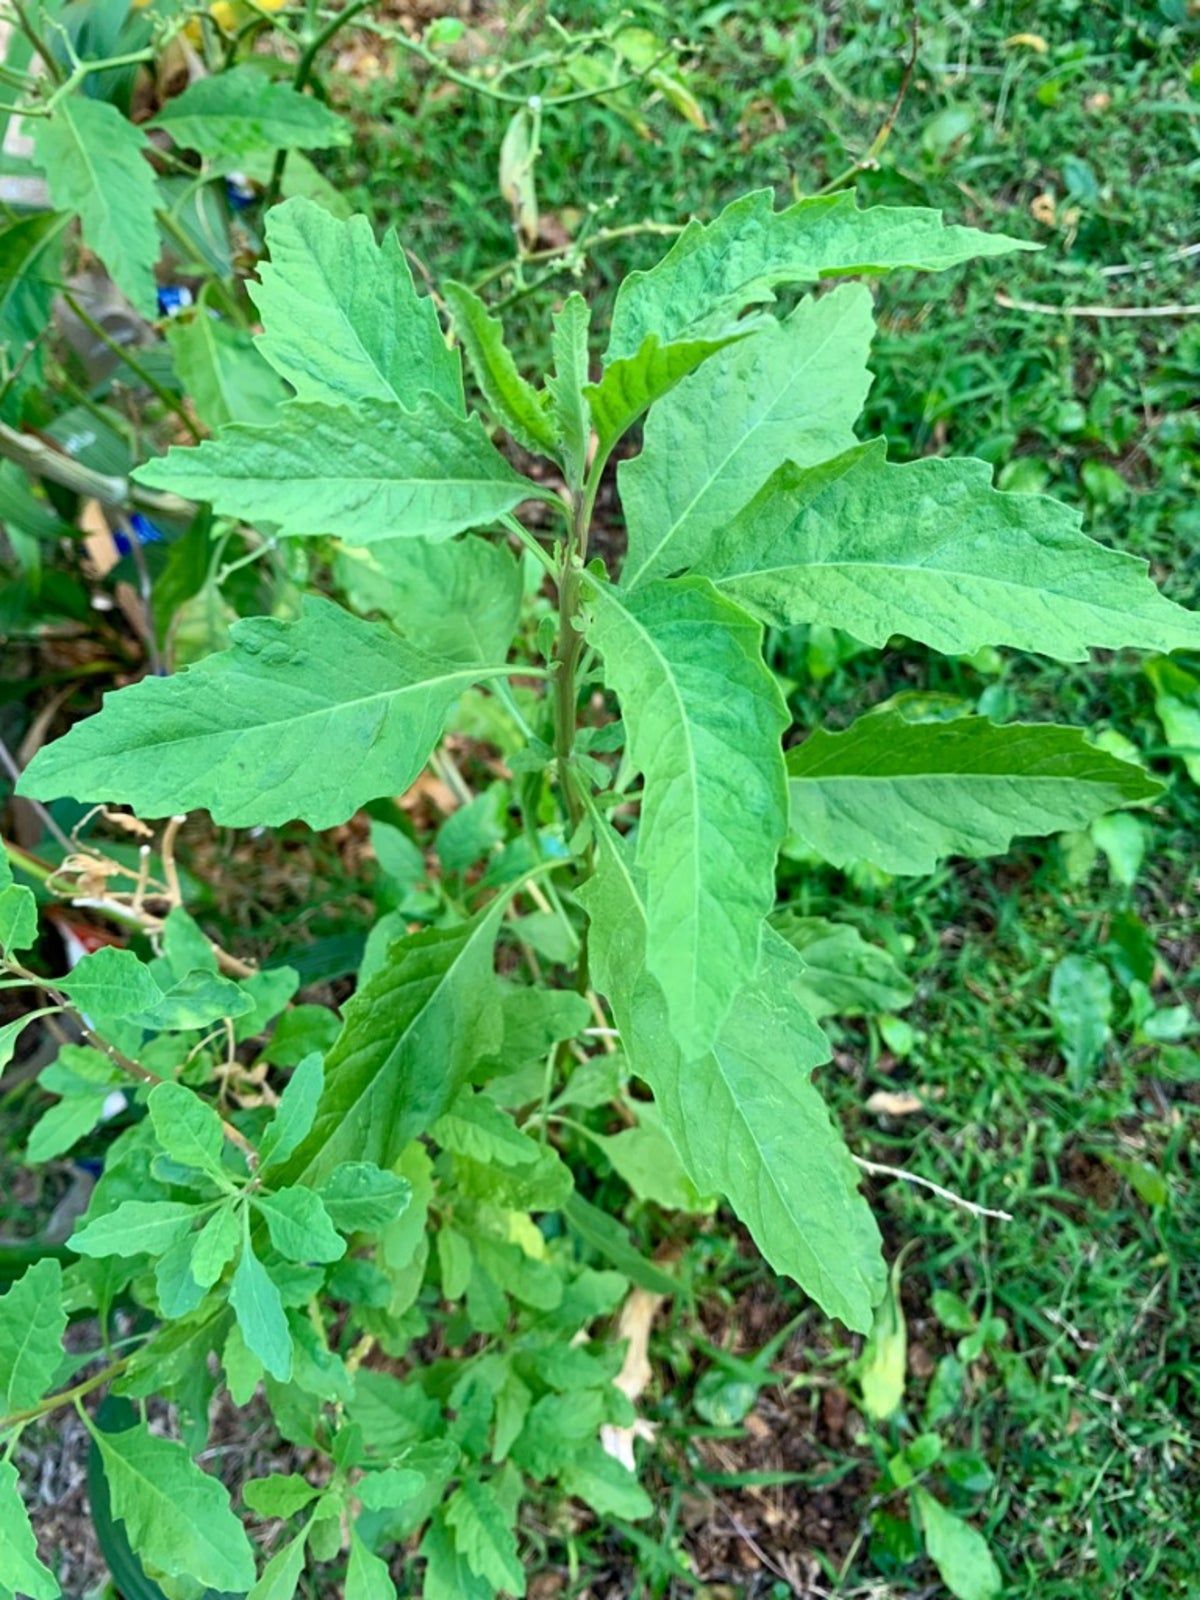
x=32 y=1324
x=411 y=1036
x=484 y=1536
x=236 y=114
x=343 y=320
x=744 y=1116
x=565 y=386
x=95 y=165
x=306 y=719
x=111 y=982
x=367 y=1576
x=374 y=471
x=299 y=1225
x=18 y=918
x=135 y=1227
x=474 y=1126
x=714 y=270
x=903 y=795
x=258 y=1307
x=295 y=1112
x=21 y=1572
x=631 y=385
x=843 y=974
x=222 y=371
x=704 y=719
x=187 y=1129
x=516 y=404
x=604 y=1484
x=176 y=1516
x=281 y=1575
x=215 y=1246
x=790 y=392
x=958 y=1551
x=931 y=550
x=460 y=599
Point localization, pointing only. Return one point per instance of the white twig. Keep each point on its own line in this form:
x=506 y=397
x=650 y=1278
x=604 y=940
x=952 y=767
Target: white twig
x=1096 y=311
x=1148 y=265
x=878 y=1168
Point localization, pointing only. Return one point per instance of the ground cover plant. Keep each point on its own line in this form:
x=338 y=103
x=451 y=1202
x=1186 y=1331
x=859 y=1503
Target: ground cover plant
x=586 y=908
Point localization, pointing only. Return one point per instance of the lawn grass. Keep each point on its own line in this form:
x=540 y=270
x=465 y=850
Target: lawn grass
x=1077 y=125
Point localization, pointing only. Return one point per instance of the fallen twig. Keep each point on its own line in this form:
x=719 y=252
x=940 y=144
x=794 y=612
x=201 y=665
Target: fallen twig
x=882 y=1171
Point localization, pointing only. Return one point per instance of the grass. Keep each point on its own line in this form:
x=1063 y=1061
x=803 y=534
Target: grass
x=1076 y=125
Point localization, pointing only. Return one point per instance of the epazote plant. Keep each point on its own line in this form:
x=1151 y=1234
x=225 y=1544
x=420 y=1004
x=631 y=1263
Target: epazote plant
x=395 y=1185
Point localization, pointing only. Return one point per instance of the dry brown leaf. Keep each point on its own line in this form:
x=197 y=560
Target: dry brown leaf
x=634 y=1323
x=889 y=1103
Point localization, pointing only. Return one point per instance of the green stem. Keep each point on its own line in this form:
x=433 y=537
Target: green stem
x=66 y=1397
x=27 y=28
x=304 y=67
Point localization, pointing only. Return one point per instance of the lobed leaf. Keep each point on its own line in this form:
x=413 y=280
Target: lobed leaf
x=704 y=720
x=95 y=165
x=515 y=403
x=374 y=471
x=902 y=795
x=931 y=550
x=306 y=719
x=343 y=321
x=177 y=1517
x=789 y=392
x=743 y=1115
x=715 y=270
x=238 y=113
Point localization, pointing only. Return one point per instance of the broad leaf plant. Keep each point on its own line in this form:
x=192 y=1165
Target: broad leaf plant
x=414 y=1170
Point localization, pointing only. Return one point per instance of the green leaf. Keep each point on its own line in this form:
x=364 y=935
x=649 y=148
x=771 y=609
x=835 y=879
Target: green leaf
x=645 y=1158
x=931 y=550
x=111 y=982
x=32 y=1324
x=325 y=713
x=447 y=1575
x=11 y=1032
x=237 y=113
x=374 y=472
x=18 y=918
x=483 y=1535
x=367 y=1576
x=224 y=375
x=279 y=1494
x=714 y=270
x=21 y=1573
x=187 y=1129
x=515 y=403
x=343 y=321
x=565 y=386
x=1177 y=707
x=362 y=1198
x=258 y=1307
x=958 y=1551
x=631 y=385
x=299 y=1225
x=704 y=719
x=61 y=1127
x=176 y=1516
x=790 y=392
x=281 y=1575
x=904 y=794
x=880 y=1368
x=295 y=1112
x=843 y=975
x=473 y=1125
x=136 y=1227
x=1081 y=1002
x=382 y=1491
x=215 y=1246
x=744 y=1117
x=460 y=599
x=30 y=273
x=94 y=160
x=602 y=1483
x=411 y=1036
